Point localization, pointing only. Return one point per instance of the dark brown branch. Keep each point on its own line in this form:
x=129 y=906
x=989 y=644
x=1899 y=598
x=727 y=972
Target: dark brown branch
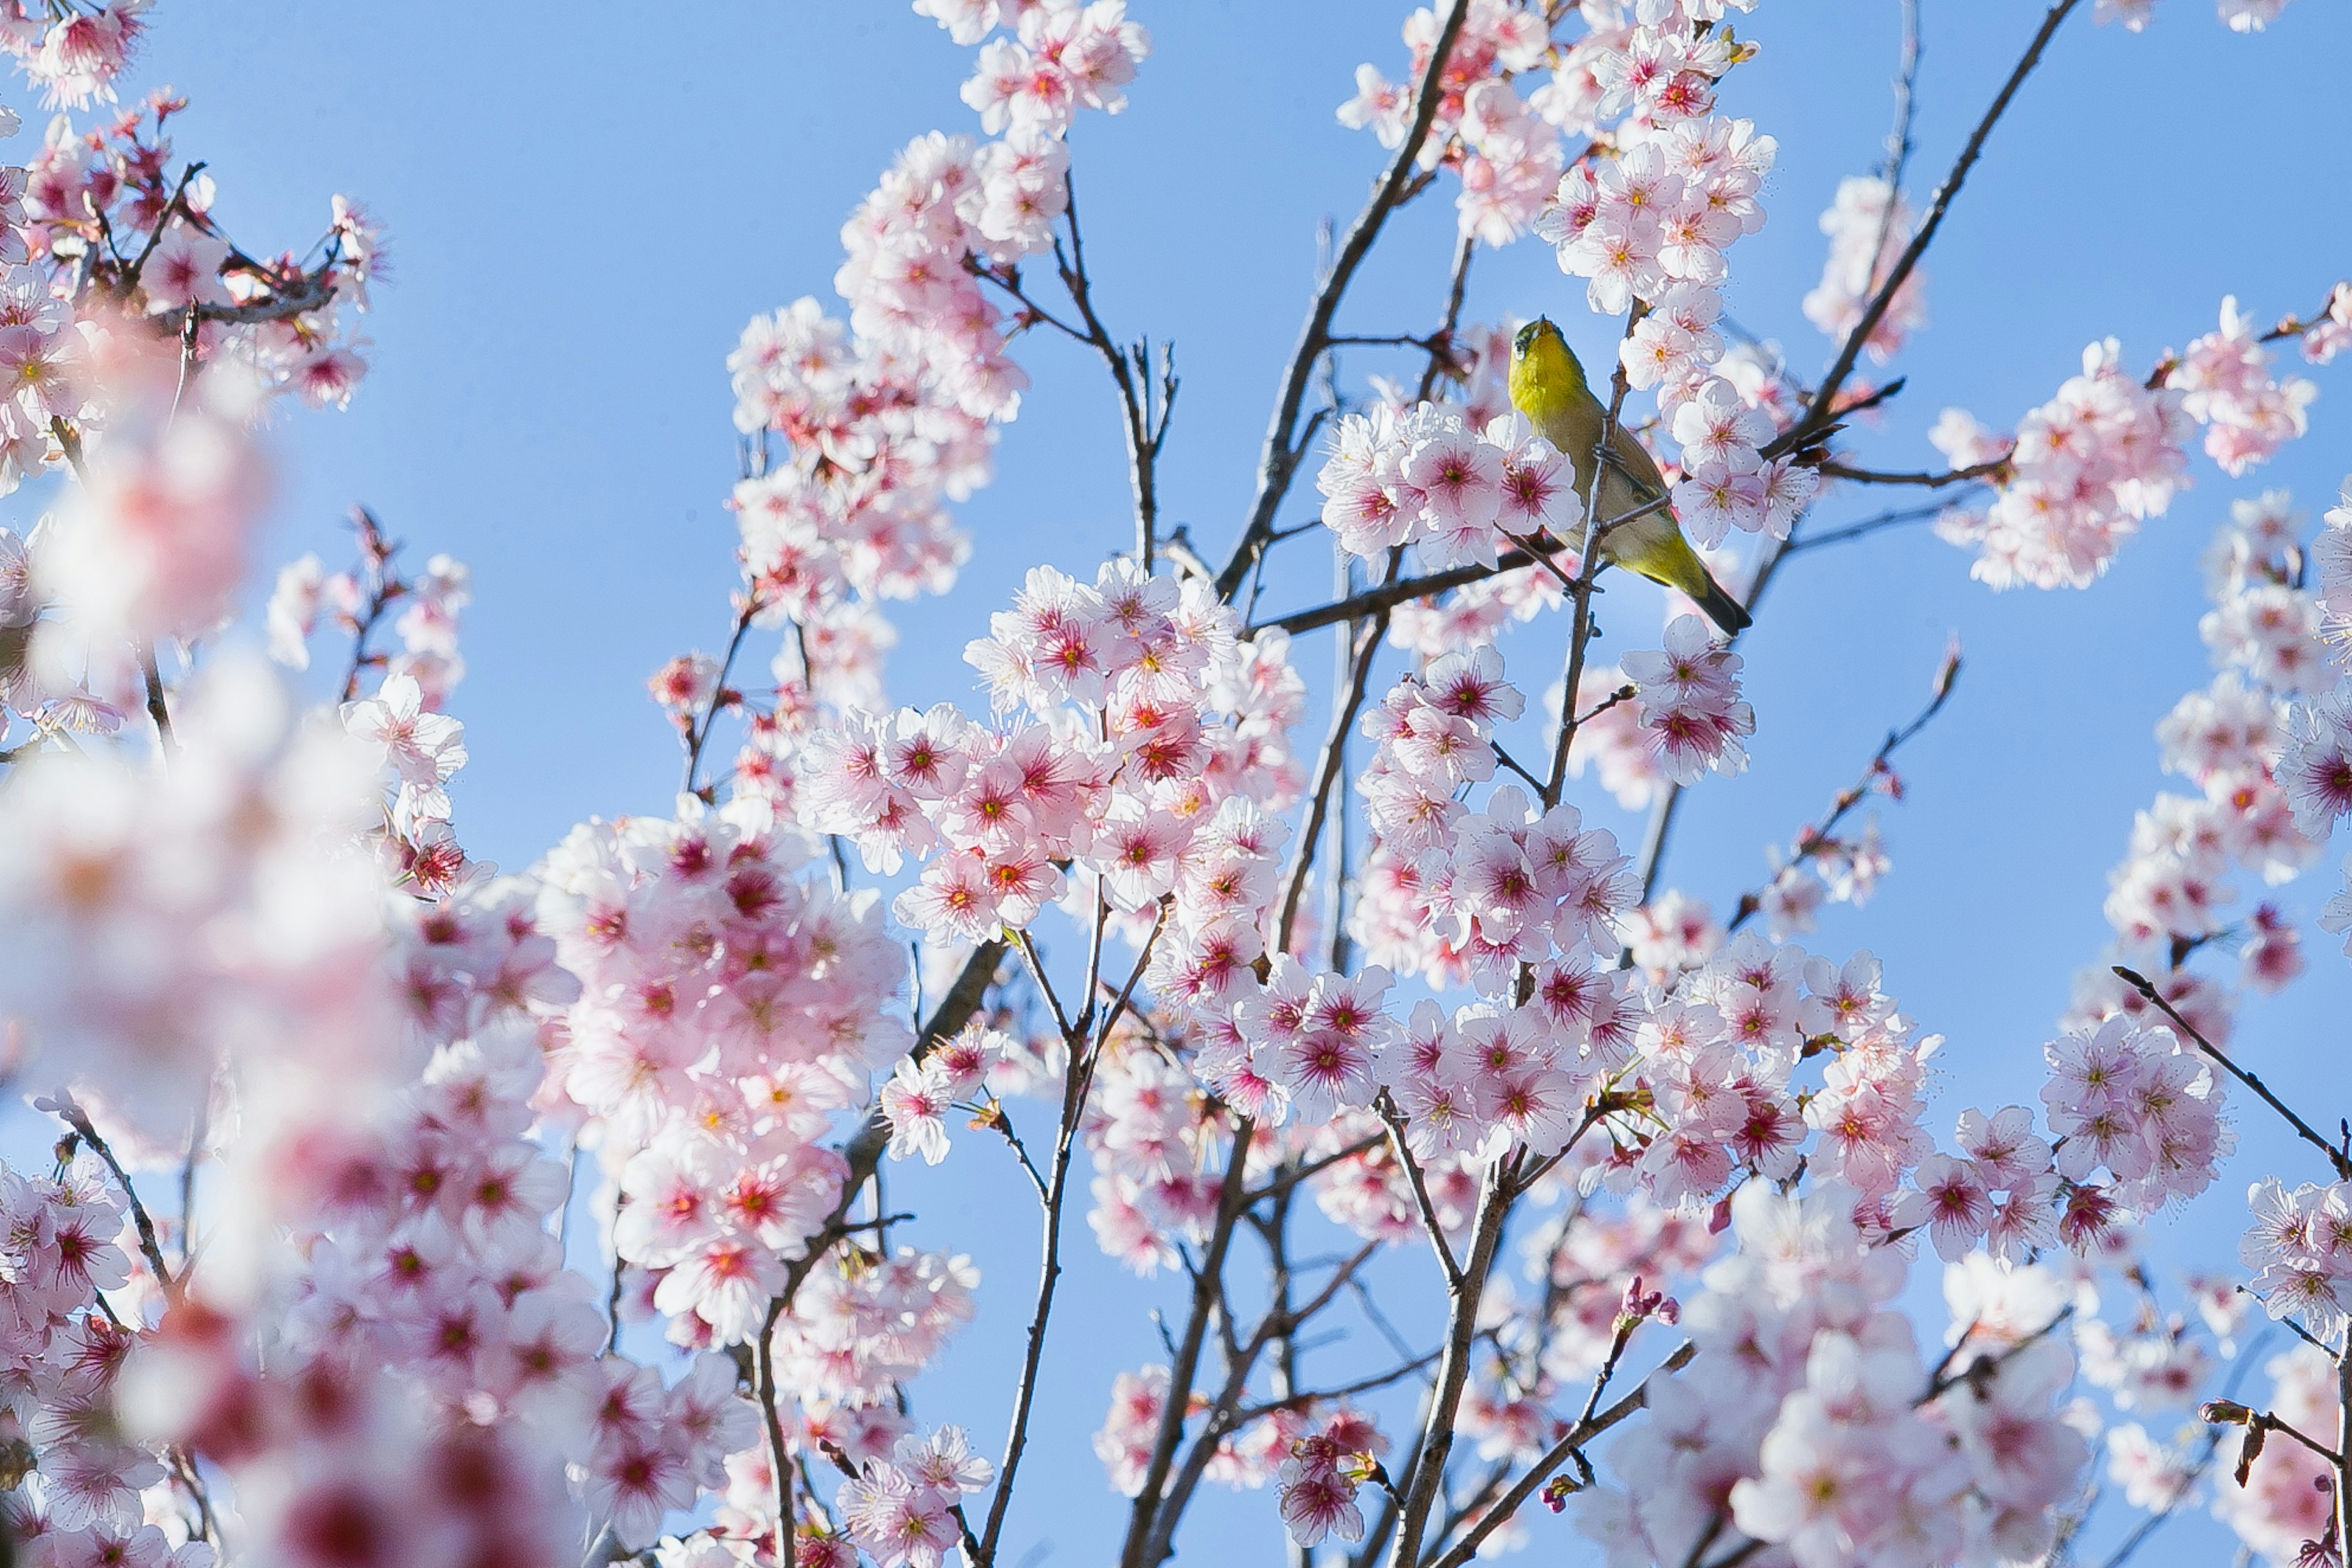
x=1932 y=480
x=1150 y=1526
x=1583 y=1432
x=1401 y=590
x=172 y=208
x=2336 y=1157
x=286 y=301
x=149 y=1247
x=1280 y=456
x=159 y=711
x=1136 y=421
x=1816 y=414
x=779 y=1461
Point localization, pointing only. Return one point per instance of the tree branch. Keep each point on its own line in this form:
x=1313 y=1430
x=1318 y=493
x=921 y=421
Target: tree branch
x=1576 y=1436
x=1279 y=458
x=2336 y=1157
x=1816 y=416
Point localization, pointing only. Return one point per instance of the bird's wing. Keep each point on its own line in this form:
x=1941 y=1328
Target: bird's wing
x=1630 y=458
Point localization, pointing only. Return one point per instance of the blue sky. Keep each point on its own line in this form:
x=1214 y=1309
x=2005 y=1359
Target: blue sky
x=585 y=207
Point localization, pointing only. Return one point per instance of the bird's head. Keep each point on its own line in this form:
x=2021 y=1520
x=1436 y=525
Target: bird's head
x=1543 y=367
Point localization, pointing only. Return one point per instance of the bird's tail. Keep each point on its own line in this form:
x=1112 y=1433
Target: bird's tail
x=1655 y=548
x=1721 y=609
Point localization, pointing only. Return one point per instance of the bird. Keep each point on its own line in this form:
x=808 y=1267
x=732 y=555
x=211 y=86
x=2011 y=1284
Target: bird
x=1548 y=385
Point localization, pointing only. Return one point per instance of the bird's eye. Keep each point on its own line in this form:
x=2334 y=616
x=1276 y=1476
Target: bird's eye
x=1527 y=335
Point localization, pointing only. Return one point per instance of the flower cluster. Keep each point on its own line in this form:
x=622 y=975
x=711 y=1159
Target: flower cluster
x=1158 y=794
x=2225 y=382
x=1648 y=230
x=861 y=1325
x=2228 y=740
x=1808 y=1416
x=1320 y=1478
x=1869 y=225
x=1427 y=479
x=286 y=324
x=73 y=55
x=2140 y=1103
x=1506 y=147
x=900 y=1509
x=2299 y=1249
x=2314 y=765
x=431 y=603
x=2108 y=452
x=1688 y=704
x=727 y=1009
x=2081 y=473
x=885 y=420
x=1159 y=1152
x=60 y=1349
x=160 y=924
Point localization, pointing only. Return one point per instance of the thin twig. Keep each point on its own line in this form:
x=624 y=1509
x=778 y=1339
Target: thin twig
x=1136 y=422
x=1147 y=1531
x=1279 y=460
x=1813 y=837
x=2336 y=1157
x=1345 y=1391
x=1929 y=479
x=1866 y=527
x=1576 y=1436
x=1327 y=772
x=149 y=1247
x=697 y=733
x=1816 y=414
x=1386 y=1106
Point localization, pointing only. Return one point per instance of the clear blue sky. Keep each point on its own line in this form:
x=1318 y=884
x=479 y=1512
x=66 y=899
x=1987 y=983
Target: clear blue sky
x=585 y=203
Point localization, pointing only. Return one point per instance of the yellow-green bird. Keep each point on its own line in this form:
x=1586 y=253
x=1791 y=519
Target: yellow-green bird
x=1548 y=385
